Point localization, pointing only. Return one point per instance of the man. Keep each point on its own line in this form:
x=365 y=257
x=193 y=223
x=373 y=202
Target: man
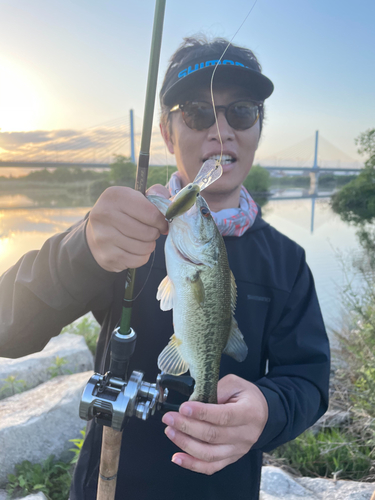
x=282 y=386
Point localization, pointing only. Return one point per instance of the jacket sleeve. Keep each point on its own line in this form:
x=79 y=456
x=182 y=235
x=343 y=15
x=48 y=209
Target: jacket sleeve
x=48 y=289
x=297 y=383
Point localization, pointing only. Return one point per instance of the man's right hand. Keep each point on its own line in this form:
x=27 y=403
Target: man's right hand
x=123 y=227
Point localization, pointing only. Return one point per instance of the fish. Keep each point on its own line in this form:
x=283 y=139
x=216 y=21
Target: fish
x=201 y=290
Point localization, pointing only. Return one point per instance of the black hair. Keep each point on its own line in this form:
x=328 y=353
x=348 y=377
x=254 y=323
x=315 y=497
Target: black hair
x=201 y=46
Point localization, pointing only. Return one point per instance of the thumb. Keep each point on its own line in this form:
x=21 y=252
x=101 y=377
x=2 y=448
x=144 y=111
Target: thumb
x=158 y=190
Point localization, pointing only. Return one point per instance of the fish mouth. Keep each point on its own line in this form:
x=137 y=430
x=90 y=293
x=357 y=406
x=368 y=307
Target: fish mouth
x=226 y=159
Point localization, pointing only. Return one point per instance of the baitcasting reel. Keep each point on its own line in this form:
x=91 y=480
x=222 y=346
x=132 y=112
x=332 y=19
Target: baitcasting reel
x=111 y=398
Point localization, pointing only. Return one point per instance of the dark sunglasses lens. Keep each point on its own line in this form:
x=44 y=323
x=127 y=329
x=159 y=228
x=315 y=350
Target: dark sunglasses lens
x=198 y=115
x=242 y=115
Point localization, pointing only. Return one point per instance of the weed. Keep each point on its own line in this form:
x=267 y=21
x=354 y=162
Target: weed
x=52 y=477
x=329 y=452
x=56 y=369
x=13 y=384
x=88 y=329
x=78 y=443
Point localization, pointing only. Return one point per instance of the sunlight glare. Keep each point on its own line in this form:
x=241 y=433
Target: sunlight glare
x=21 y=98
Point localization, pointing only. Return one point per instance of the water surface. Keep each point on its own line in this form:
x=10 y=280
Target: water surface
x=322 y=236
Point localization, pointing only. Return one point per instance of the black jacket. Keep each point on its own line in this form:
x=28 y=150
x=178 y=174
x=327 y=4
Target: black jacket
x=277 y=312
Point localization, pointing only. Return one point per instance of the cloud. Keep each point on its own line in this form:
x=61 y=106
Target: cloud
x=89 y=145
x=97 y=144
x=14 y=140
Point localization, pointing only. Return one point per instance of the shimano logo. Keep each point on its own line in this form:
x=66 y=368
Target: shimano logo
x=205 y=64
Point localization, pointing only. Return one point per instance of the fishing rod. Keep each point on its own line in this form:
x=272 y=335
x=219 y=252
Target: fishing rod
x=113 y=398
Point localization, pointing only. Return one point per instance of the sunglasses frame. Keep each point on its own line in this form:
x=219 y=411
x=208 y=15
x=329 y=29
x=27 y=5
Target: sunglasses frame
x=181 y=107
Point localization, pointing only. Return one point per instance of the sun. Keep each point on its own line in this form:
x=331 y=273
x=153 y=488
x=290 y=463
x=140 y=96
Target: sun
x=21 y=97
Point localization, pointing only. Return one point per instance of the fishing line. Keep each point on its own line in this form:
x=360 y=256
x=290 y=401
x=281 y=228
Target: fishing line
x=212 y=79
x=118 y=321
x=144 y=284
x=218 y=130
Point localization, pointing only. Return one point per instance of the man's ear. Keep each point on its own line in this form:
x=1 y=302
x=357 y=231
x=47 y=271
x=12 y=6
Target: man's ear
x=165 y=132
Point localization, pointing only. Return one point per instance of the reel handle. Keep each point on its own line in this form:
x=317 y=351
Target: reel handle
x=184 y=384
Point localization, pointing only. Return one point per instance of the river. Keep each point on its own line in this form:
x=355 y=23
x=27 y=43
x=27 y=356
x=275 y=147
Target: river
x=310 y=222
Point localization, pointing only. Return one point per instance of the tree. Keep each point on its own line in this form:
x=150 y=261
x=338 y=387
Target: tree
x=366 y=142
x=123 y=171
x=258 y=180
x=355 y=202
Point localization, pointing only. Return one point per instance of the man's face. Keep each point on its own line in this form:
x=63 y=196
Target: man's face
x=192 y=148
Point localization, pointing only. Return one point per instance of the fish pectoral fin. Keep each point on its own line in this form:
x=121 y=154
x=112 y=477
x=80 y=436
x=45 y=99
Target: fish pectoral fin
x=170 y=359
x=198 y=288
x=236 y=346
x=166 y=294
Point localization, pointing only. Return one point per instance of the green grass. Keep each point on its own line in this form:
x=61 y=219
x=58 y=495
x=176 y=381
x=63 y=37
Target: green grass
x=88 y=328
x=51 y=477
x=326 y=453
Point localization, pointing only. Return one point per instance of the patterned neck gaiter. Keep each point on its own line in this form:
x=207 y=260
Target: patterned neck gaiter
x=230 y=221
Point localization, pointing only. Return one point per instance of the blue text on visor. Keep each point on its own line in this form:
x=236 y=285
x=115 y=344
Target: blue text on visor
x=213 y=62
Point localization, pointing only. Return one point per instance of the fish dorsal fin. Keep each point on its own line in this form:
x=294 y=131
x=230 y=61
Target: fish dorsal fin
x=170 y=359
x=233 y=292
x=236 y=346
x=166 y=294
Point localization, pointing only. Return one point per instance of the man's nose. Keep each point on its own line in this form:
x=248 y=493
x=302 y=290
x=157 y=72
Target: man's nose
x=226 y=131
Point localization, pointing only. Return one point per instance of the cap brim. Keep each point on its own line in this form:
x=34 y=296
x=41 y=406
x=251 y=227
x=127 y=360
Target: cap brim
x=259 y=86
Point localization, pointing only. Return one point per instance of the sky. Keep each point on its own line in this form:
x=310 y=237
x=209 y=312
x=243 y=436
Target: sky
x=74 y=67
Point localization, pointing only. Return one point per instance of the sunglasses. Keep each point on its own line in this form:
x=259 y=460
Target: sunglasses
x=199 y=115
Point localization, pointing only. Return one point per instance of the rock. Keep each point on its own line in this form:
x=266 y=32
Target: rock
x=35 y=368
x=40 y=422
x=276 y=484
x=328 y=489
x=37 y=496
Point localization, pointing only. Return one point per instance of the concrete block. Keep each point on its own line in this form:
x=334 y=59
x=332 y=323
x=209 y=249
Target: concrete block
x=40 y=422
x=35 y=368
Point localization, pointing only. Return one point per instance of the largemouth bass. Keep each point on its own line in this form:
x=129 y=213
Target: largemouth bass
x=201 y=289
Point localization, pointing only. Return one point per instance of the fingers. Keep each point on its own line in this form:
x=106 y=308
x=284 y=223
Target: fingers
x=132 y=228
x=213 y=436
x=208 y=448
x=222 y=415
x=137 y=206
x=203 y=431
x=196 y=465
x=199 y=449
x=122 y=229
x=159 y=190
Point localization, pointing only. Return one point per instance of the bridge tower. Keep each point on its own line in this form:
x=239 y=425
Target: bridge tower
x=132 y=152
x=314 y=174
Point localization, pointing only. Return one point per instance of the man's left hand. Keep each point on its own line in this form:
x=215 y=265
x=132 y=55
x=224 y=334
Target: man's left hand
x=214 y=436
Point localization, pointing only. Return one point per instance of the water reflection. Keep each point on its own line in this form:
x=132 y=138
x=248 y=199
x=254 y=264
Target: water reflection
x=296 y=194
x=44 y=198
x=22 y=230
x=304 y=218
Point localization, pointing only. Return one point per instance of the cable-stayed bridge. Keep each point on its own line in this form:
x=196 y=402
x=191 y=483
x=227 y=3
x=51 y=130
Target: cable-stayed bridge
x=97 y=147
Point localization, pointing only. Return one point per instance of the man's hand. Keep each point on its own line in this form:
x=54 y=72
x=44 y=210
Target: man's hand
x=123 y=227
x=214 y=436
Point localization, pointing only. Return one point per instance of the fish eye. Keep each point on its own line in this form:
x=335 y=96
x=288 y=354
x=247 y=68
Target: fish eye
x=205 y=212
